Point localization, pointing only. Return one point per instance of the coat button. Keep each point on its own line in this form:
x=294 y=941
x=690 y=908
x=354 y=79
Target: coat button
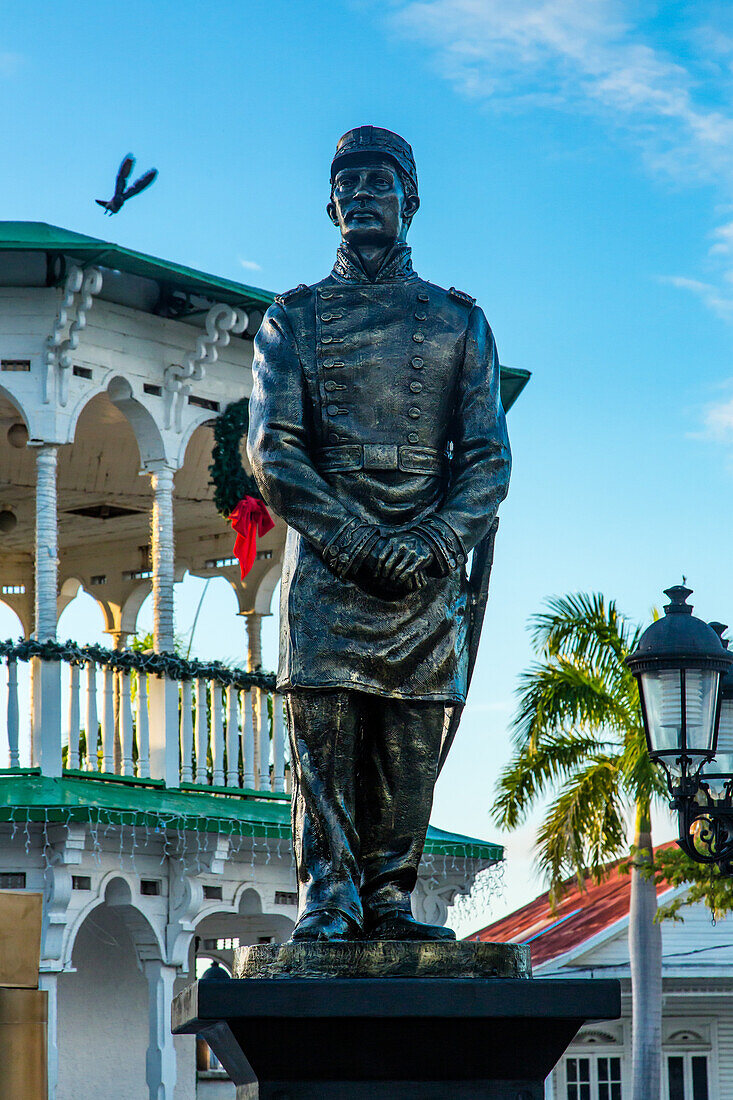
x=413 y=437
x=326 y=339
x=417 y=362
x=326 y=293
x=423 y=297
x=331 y=386
x=414 y=413
x=333 y=437
x=327 y=317
x=418 y=337
x=333 y=410
x=416 y=387
x=421 y=316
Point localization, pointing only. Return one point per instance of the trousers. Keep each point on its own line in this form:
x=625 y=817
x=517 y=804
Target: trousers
x=363 y=772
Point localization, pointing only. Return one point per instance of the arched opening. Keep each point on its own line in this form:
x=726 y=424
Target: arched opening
x=82 y=617
x=218 y=935
x=202 y=606
x=102 y=1013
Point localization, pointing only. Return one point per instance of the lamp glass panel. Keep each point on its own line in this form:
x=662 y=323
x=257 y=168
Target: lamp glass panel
x=718 y=771
x=701 y=696
x=663 y=705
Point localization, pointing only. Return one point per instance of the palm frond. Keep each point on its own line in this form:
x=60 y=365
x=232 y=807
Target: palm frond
x=535 y=768
x=584 y=627
x=584 y=827
x=642 y=780
x=559 y=695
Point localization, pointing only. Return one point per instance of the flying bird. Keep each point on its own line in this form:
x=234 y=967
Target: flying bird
x=122 y=194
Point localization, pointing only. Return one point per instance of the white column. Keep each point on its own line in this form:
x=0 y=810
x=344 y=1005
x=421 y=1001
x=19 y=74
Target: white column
x=161 y=1057
x=186 y=733
x=164 y=716
x=164 y=721
x=162 y=552
x=46 y=542
x=13 y=715
x=49 y=982
x=143 y=731
x=278 y=743
x=254 y=640
x=46 y=675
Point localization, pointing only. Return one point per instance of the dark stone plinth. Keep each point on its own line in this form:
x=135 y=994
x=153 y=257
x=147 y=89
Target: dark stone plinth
x=393 y=1038
x=383 y=959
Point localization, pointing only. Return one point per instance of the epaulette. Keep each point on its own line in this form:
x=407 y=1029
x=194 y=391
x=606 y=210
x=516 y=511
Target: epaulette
x=288 y=296
x=461 y=296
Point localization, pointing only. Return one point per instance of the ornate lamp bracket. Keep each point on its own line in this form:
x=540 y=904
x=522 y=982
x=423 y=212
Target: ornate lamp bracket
x=706 y=826
x=221 y=322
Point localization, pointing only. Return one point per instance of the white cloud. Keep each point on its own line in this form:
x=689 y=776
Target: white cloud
x=249 y=265
x=709 y=294
x=574 y=54
x=594 y=56
x=719 y=422
x=724 y=240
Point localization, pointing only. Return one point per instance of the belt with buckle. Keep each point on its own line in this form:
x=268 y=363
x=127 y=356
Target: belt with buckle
x=381 y=456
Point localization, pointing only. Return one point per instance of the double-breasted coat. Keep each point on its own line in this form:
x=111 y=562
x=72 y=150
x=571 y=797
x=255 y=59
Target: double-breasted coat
x=377 y=401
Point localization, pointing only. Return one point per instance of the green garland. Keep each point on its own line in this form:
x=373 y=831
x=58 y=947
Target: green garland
x=230 y=480
x=125 y=660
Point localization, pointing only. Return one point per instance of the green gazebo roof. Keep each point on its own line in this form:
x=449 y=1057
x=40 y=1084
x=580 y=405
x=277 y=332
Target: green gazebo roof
x=40 y=237
x=106 y=799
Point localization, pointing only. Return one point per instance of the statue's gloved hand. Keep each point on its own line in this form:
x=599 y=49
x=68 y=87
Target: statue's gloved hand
x=401 y=559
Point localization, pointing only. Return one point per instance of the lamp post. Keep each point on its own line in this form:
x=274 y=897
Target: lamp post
x=685 y=677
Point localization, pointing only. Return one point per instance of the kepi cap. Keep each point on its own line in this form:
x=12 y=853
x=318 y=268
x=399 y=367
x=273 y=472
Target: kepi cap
x=373 y=139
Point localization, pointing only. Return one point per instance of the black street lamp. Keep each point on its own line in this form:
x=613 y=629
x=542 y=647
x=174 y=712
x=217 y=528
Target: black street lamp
x=685 y=677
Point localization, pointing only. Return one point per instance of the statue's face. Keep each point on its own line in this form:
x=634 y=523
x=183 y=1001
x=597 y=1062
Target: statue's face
x=369 y=204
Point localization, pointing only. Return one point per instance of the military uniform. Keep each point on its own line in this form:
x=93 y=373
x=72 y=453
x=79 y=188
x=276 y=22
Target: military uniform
x=375 y=407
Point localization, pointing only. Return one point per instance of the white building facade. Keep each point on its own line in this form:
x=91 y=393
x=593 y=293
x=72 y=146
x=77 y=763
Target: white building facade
x=586 y=936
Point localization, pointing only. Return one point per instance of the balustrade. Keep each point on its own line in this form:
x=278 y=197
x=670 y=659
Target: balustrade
x=230 y=728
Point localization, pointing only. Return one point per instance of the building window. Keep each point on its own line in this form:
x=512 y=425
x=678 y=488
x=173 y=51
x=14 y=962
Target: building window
x=593 y=1078
x=687 y=1077
x=12 y=880
x=286 y=897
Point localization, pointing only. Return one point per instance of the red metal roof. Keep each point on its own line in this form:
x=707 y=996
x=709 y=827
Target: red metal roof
x=580 y=914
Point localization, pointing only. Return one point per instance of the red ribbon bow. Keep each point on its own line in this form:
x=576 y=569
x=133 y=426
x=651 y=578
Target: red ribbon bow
x=249 y=519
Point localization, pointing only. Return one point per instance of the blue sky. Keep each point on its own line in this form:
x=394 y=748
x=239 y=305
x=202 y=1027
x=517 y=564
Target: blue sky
x=576 y=175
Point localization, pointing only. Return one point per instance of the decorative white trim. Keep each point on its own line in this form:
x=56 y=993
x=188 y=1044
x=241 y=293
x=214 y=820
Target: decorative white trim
x=58 y=353
x=221 y=322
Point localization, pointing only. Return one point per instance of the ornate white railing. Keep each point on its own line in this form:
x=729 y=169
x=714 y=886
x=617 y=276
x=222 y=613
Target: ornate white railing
x=227 y=725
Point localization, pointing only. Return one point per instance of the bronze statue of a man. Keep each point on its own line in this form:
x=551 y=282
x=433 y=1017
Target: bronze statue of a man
x=377 y=432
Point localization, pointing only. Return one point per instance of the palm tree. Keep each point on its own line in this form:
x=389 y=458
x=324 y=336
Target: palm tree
x=579 y=738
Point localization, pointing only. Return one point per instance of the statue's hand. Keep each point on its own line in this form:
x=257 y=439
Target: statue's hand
x=400 y=558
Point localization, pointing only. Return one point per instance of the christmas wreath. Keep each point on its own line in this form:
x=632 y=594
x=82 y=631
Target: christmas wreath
x=235 y=493
x=230 y=480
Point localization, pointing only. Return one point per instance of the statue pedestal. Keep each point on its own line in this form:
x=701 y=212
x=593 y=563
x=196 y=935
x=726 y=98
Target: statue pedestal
x=409 y=1036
